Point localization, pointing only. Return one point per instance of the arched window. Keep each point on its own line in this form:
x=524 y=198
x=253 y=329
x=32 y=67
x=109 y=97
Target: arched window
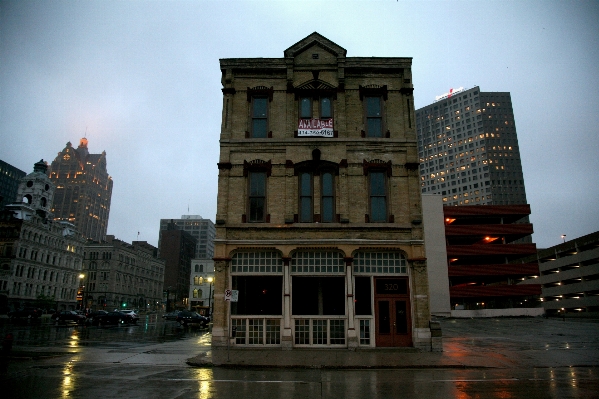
x=316 y=176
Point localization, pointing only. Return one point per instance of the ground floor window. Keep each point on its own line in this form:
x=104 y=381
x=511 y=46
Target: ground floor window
x=362 y=296
x=318 y=295
x=258 y=295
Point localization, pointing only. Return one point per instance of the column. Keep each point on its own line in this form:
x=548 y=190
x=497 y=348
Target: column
x=352 y=336
x=287 y=336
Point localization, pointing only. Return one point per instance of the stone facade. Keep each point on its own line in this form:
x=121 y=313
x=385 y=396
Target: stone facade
x=40 y=258
x=319 y=190
x=119 y=275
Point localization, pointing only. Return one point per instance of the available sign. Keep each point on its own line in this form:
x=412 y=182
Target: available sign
x=315 y=128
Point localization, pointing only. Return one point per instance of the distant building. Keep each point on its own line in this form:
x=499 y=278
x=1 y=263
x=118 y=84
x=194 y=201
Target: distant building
x=40 y=258
x=177 y=248
x=83 y=190
x=468 y=149
x=201 y=283
x=9 y=183
x=201 y=229
x=569 y=275
x=120 y=275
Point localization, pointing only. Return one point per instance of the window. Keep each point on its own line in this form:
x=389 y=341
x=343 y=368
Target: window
x=374 y=122
x=305 y=200
x=257 y=196
x=326 y=111
x=306 y=108
x=259 y=117
x=316 y=176
x=378 y=196
x=258 y=295
x=327 y=208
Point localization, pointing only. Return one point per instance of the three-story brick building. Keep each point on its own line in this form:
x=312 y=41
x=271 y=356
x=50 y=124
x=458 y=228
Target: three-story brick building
x=318 y=223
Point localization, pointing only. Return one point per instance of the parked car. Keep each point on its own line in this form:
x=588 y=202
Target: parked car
x=171 y=316
x=68 y=315
x=90 y=315
x=132 y=313
x=115 y=318
x=186 y=318
x=29 y=312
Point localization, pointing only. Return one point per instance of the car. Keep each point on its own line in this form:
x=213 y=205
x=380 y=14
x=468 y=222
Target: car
x=186 y=318
x=68 y=315
x=132 y=313
x=28 y=312
x=171 y=316
x=115 y=318
x=90 y=315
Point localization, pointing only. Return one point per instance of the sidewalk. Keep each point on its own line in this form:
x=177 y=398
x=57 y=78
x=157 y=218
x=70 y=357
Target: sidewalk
x=337 y=358
x=467 y=343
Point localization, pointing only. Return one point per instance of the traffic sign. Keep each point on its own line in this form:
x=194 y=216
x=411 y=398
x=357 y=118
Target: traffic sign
x=234 y=295
x=228 y=294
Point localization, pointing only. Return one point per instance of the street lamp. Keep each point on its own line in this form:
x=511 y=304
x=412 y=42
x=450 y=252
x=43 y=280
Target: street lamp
x=210 y=281
x=563 y=238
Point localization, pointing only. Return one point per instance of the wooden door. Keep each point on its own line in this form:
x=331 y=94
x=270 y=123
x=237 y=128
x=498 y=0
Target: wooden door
x=392 y=312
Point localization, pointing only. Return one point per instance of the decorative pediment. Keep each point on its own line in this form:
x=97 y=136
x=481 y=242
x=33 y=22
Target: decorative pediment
x=316 y=84
x=318 y=40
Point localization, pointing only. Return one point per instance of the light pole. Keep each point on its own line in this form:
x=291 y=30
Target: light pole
x=210 y=281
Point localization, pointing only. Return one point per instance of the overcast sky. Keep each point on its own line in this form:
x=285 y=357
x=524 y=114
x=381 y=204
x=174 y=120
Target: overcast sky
x=141 y=81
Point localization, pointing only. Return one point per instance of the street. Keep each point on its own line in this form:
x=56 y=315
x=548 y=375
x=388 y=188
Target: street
x=527 y=358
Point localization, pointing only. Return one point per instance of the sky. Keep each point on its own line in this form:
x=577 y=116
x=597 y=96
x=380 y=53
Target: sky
x=141 y=80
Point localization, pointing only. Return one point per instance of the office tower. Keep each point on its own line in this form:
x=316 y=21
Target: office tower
x=468 y=149
x=83 y=190
x=201 y=229
x=177 y=248
x=9 y=183
x=319 y=222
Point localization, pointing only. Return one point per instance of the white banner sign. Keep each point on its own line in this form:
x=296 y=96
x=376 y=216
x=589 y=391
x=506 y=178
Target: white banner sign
x=315 y=128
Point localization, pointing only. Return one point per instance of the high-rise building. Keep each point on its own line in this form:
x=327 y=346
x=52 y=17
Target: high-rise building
x=9 y=183
x=201 y=229
x=319 y=219
x=468 y=149
x=177 y=248
x=40 y=258
x=83 y=190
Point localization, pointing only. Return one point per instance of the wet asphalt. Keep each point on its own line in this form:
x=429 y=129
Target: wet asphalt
x=528 y=358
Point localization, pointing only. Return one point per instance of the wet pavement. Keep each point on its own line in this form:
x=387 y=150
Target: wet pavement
x=527 y=358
